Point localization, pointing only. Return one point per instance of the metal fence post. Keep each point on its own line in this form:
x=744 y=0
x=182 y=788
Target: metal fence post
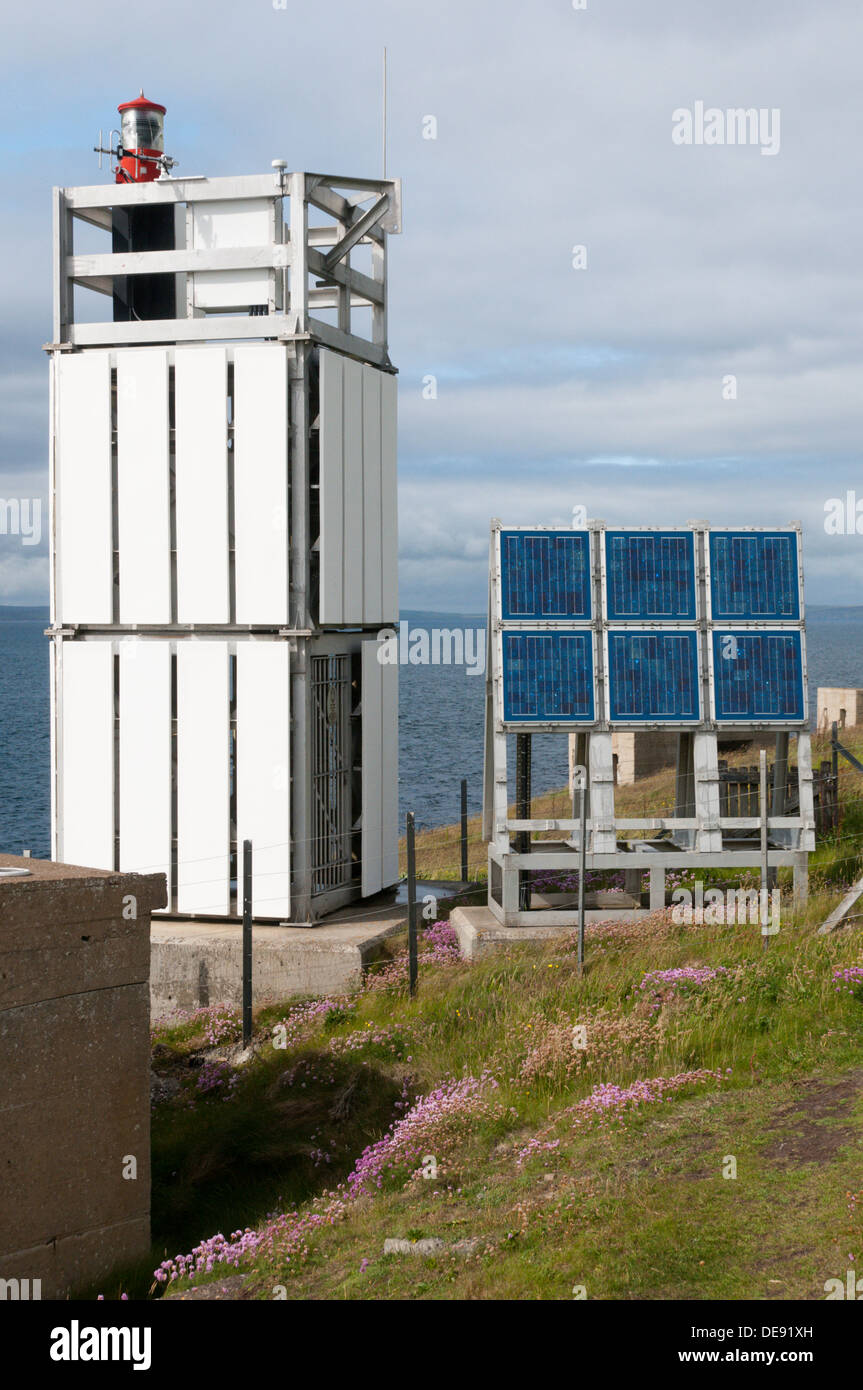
x=580 y=779
x=247 y=942
x=464 y=867
x=765 y=889
x=412 y=904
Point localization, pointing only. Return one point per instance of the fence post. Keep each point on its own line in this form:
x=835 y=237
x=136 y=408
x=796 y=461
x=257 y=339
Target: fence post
x=764 y=896
x=834 y=747
x=582 y=860
x=247 y=942
x=412 y=905
x=523 y=750
x=464 y=866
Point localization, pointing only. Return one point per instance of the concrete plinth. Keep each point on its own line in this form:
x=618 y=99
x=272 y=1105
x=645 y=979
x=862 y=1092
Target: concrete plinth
x=480 y=934
x=195 y=964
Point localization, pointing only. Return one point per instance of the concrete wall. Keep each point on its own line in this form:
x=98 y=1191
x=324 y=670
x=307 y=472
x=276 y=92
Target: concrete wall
x=642 y=754
x=845 y=706
x=75 y=1068
x=196 y=964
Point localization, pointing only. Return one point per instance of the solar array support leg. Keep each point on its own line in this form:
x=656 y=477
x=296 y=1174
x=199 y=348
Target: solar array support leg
x=523 y=799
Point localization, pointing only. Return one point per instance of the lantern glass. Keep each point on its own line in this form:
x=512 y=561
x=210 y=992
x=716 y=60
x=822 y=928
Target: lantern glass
x=142 y=130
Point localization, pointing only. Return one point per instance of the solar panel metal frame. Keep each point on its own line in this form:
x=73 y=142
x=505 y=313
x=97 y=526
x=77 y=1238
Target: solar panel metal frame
x=650 y=721
x=525 y=723
x=610 y=614
x=738 y=619
x=748 y=721
x=507 y=613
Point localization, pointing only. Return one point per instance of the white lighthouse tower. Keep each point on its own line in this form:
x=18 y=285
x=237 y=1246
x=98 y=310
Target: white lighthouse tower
x=223 y=460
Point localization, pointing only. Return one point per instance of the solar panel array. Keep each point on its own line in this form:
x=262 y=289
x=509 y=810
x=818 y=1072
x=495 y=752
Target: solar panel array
x=620 y=626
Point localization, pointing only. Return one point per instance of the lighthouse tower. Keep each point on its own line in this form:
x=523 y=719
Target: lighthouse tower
x=223 y=461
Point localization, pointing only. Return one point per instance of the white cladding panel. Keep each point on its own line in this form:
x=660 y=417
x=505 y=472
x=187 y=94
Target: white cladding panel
x=86 y=761
x=203 y=794
x=263 y=771
x=389 y=498
x=261 y=483
x=218 y=225
x=84 y=560
x=202 y=485
x=380 y=772
x=143 y=486
x=145 y=756
x=358 y=493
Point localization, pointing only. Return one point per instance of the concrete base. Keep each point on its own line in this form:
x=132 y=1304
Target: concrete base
x=480 y=934
x=195 y=964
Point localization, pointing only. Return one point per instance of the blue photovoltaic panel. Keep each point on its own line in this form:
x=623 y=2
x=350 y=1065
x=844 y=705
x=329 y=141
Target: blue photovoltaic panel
x=650 y=576
x=754 y=576
x=545 y=574
x=653 y=676
x=548 y=677
x=758 y=676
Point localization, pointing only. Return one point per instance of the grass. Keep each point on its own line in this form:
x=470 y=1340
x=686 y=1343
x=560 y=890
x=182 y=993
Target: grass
x=766 y=1078
x=634 y=1206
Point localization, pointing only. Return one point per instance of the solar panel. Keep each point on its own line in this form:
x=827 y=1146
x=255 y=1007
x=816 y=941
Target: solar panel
x=653 y=676
x=548 y=677
x=654 y=598
x=650 y=575
x=545 y=574
x=758 y=676
x=754 y=576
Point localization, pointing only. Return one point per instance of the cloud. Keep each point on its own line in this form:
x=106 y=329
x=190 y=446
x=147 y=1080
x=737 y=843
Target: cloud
x=555 y=385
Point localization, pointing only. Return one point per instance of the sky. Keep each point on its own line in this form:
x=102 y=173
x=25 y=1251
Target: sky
x=699 y=358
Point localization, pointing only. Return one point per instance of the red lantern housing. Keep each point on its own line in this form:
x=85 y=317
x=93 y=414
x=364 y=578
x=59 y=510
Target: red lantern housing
x=142 y=140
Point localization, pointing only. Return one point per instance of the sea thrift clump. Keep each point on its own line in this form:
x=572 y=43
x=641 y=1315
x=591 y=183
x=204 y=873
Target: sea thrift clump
x=849 y=979
x=304 y=1019
x=391 y=1042
x=554 y=1052
x=438 y=946
x=222 y=1023
x=429 y=1126
x=216 y=1075
x=664 y=985
x=443 y=945
x=608 y=1100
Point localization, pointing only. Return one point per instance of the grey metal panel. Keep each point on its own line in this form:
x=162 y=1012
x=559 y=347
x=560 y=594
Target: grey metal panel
x=143 y=486
x=261 y=483
x=86 y=770
x=202 y=485
x=359 y=523
x=84 y=535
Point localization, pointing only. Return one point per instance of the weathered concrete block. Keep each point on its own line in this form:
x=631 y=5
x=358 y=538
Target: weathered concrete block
x=839 y=705
x=198 y=964
x=75 y=1061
